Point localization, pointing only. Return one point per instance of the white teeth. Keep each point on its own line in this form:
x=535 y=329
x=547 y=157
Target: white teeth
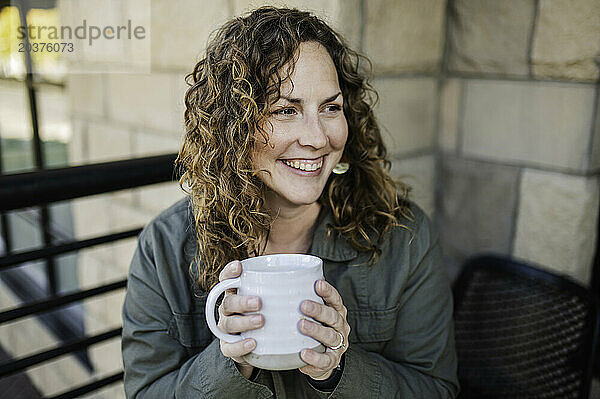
x=306 y=167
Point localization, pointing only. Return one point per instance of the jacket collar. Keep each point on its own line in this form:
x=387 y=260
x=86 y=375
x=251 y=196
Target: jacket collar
x=336 y=248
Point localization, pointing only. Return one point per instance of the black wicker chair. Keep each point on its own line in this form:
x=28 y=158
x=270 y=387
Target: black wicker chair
x=522 y=332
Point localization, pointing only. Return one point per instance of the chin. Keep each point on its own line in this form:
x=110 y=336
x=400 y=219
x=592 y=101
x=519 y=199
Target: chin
x=303 y=200
x=300 y=198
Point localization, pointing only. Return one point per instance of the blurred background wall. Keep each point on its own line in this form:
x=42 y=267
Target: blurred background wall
x=519 y=132
x=489 y=109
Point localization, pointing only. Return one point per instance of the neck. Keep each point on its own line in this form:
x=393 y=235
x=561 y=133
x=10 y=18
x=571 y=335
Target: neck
x=293 y=228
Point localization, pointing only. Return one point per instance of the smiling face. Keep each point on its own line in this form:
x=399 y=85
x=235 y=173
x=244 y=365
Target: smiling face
x=307 y=130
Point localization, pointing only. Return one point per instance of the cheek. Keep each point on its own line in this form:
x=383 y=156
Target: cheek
x=265 y=156
x=261 y=157
x=280 y=140
x=264 y=141
x=261 y=151
x=339 y=135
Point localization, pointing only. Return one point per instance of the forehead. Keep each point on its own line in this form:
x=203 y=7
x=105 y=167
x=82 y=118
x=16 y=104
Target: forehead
x=314 y=73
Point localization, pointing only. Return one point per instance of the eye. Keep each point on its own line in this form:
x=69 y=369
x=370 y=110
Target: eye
x=284 y=112
x=332 y=108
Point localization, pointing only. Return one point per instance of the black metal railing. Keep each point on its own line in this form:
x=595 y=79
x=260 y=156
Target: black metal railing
x=47 y=186
x=23 y=190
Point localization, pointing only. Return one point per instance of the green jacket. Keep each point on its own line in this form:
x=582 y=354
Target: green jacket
x=401 y=342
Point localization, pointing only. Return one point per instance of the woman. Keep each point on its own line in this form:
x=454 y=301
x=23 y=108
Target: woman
x=282 y=154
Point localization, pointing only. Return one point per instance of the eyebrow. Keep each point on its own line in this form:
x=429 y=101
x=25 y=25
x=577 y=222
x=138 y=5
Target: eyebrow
x=299 y=100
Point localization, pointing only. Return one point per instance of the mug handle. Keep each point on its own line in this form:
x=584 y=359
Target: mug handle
x=209 y=309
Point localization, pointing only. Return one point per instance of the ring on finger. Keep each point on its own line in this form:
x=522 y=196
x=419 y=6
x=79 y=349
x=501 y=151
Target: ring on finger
x=341 y=344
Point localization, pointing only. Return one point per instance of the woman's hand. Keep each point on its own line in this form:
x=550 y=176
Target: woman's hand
x=231 y=321
x=333 y=316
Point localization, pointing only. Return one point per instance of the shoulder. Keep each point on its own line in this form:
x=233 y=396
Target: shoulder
x=408 y=242
x=167 y=243
x=414 y=226
x=175 y=222
x=180 y=211
x=166 y=248
x=403 y=249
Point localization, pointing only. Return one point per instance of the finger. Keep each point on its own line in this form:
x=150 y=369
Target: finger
x=237 y=349
x=321 y=362
x=231 y=270
x=330 y=296
x=240 y=304
x=311 y=371
x=238 y=324
x=323 y=313
x=325 y=335
x=315 y=373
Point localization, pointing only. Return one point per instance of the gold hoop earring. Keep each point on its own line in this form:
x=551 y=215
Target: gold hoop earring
x=341 y=168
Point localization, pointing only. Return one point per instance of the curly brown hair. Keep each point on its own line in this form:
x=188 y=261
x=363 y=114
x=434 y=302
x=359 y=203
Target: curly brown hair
x=245 y=63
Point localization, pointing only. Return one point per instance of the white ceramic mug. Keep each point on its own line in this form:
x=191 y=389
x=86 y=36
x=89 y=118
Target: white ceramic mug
x=282 y=281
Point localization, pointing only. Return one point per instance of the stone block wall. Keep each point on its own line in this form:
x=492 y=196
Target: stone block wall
x=404 y=40
x=518 y=130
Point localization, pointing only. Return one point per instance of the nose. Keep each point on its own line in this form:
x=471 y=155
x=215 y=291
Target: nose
x=314 y=134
